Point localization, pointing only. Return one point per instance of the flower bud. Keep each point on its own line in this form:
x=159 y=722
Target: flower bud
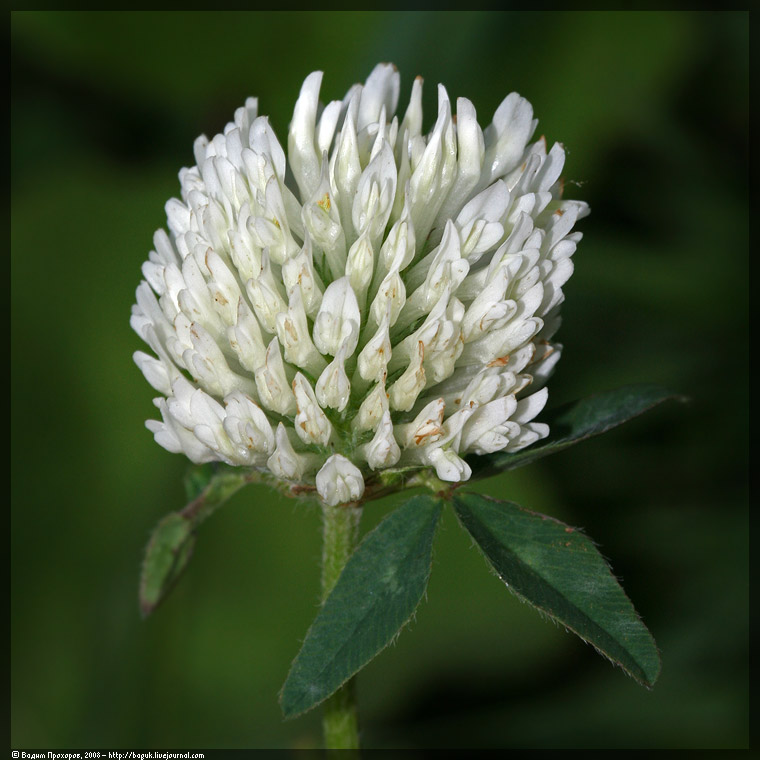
x=339 y=481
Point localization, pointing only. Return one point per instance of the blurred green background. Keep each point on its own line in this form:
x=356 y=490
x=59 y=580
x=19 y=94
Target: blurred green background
x=653 y=109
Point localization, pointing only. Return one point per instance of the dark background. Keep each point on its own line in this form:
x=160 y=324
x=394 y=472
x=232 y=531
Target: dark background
x=653 y=109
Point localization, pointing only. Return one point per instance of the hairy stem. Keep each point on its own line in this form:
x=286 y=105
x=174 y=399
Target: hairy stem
x=340 y=532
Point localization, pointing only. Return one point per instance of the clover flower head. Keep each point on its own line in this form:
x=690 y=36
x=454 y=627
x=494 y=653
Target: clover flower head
x=373 y=298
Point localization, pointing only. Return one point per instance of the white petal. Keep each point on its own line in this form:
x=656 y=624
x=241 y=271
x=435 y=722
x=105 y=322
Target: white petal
x=412 y=123
x=383 y=451
x=480 y=221
x=272 y=382
x=321 y=219
x=311 y=423
x=339 y=481
x=302 y=155
x=345 y=169
x=470 y=153
x=433 y=176
x=380 y=90
x=530 y=433
x=375 y=192
x=338 y=320
x=404 y=392
x=507 y=136
x=293 y=332
x=398 y=249
x=359 y=266
x=266 y=298
x=328 y=121
x=372 y=409
x=426 y=428
x=157 y=372
x=333 y=388
x=487 y=429
x=263 y=140
x=448 y=465
x=285 y=462
x=249 y=438
x=529 y=407
x=389 y=300
x=298 y=272
x=373 y=359
x=245 y=338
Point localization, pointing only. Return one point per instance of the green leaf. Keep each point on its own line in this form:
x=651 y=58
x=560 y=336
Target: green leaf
x=375 y=596
x=166 y=556
x=559 y=571
x=171 y=544
x=575 y=422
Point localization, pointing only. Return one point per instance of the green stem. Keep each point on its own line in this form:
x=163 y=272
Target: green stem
x=340 y=532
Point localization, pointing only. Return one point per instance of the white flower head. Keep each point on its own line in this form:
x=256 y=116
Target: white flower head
x=374 y=298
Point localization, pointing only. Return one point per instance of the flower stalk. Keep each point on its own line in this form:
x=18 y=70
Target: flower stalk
x=362 y=309
x=340 y=531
